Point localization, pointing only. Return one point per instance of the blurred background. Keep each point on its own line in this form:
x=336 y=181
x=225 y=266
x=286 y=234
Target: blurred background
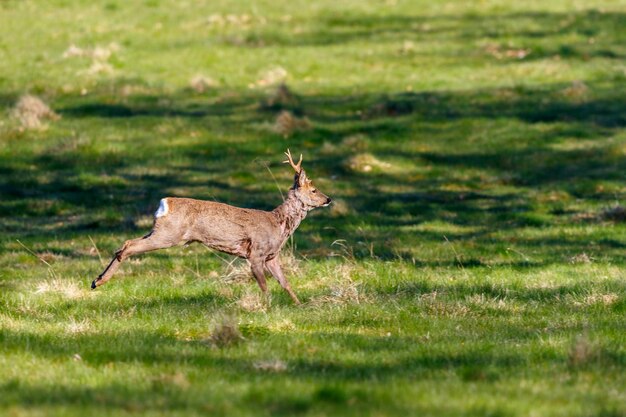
x=470 y=119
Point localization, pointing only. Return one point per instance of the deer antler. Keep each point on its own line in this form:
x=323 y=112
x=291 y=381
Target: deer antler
x=289 y=161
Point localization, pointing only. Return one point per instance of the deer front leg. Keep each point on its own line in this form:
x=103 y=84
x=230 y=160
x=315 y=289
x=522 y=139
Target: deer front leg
x=273 y=265
x=259 y=274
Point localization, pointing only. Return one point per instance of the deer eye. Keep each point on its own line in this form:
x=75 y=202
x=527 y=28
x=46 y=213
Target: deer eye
x=314 y=191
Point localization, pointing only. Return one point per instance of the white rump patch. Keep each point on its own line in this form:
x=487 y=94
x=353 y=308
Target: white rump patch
x=163 y=209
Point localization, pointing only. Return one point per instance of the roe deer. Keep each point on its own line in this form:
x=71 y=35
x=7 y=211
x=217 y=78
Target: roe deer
x=255 y=235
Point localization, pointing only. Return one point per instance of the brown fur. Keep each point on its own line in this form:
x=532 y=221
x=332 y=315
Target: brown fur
x=255 y=235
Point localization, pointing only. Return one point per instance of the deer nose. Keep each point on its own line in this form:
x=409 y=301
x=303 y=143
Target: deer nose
x=328 y=201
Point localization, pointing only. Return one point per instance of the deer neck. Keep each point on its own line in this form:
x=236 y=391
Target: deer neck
x=290 y=214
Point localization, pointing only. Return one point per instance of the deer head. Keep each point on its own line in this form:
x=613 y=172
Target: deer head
x=303 y=187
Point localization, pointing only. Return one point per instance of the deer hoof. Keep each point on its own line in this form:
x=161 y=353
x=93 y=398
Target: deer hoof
x=93 y=284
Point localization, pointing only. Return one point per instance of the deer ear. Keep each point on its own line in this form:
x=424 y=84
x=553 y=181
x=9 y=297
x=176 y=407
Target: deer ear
x=302 y=179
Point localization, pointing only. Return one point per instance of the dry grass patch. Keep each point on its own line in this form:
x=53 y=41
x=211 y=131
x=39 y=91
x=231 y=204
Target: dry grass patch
x=282 y=325
x=287 y=124
x=345 y=291
x=358 y=142
x=585 y=217
x=291 y=265
x=583 y=352
x=176 y=379
x=581 y=258
x=482 y=300
x=234 y=20
x=252 y=301
x=594 y=299
x=237 y=272
x=100 y=53
x=9 y=323
x=225 y=331
x=366 y=162
x=328 y=148
x=49 y=257
x=224 y=290
x=202 y=83
x=31 y=111
x=99 y=67
x=502 y=52
x=272 y=366
x=577 y=92
x=435 y=303
x=341 y=288
x=407 y=47
x=339 y=208
x=445 y=309
x=271 y=77
x=77 y=327
x=99 y=57
x=281 y=97
x=66 y=288
x=605 y=299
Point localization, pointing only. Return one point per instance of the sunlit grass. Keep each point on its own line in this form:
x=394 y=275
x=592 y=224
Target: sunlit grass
x=472 y=263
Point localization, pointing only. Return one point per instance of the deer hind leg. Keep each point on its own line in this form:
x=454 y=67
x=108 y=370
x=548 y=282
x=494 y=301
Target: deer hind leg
x=273 y=265
x=150 y=242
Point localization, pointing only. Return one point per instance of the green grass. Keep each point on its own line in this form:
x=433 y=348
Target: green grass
x=466 y=269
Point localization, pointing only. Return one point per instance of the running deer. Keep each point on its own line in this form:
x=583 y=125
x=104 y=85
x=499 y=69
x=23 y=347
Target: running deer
x=255 y=235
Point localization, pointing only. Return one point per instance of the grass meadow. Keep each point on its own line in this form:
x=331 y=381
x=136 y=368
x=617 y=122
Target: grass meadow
x=471 y=265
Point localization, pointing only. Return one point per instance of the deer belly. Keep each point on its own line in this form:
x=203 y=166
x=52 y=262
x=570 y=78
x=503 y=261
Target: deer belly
x=222 y=236
x=239 y=248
